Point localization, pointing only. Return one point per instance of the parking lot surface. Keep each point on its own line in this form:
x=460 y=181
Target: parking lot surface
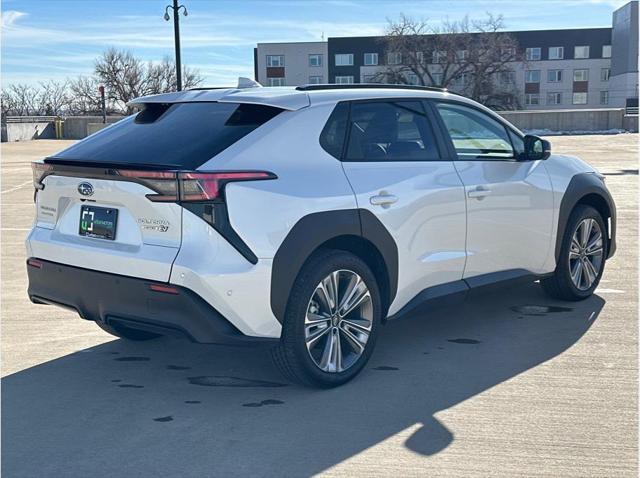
x=507 y=384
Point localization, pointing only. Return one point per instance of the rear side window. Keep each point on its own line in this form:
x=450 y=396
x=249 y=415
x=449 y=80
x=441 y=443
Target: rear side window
x=176 y=136
x=390 y=131
x=332 y=136
x=475 y=135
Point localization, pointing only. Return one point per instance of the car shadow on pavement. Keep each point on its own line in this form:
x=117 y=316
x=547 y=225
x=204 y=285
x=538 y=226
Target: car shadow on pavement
x=171 y=408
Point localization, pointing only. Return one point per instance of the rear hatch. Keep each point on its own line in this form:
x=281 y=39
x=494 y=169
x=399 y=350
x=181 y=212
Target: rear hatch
x=112 y=201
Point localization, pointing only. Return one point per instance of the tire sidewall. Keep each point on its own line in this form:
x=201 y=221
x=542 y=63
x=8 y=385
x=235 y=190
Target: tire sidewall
x=310 y=276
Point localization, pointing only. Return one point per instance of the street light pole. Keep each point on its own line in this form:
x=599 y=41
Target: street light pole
x=176 y=33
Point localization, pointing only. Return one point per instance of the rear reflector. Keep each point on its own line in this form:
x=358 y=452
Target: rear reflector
x=166 y=289
x=34 y=263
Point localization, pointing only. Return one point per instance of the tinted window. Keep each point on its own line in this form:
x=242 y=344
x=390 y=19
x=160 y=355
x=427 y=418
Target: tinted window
x=332 y=136
x=474 y=134
x=180 y=135
x=390 y=131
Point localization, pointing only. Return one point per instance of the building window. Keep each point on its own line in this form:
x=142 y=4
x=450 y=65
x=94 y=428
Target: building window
x=605 y=73
x=412 y=79
x=420 y=57
x=344 y=59
x=556 y=53
x=508 y=54
x=394 y=58
x=554 y=98
x=438 y=56
x=581 y=52
x=315 y=80
x=507 y=77
x=533 y=54
x=606 y=51
x=275 y=81
x=315 y=60
x=532 y=99
x=462 y=55
x=344 y=80
x=370 y=59
x=275 y=60
x=554 y=76
x=579 y=98
x=437 y=79
x=532 y=76
x=580 y=75
x=604 y=97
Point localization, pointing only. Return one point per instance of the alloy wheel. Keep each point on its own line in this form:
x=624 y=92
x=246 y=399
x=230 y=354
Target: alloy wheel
x=338 y=321
x=586 y=253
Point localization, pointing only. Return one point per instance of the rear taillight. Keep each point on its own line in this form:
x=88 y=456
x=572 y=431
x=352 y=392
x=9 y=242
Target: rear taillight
x=191 y=186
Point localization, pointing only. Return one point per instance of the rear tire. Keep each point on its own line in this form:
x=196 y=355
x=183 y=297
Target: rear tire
x=582 y=256
x=126 y=332
x=325 y=345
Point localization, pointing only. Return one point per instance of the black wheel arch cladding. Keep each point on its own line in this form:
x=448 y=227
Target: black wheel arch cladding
x=584 y=188
x=316 y=229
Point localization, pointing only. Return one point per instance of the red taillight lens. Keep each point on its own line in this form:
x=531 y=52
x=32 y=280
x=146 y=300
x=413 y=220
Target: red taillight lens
x=165 y=183
x=39 y=170
x=165 y=289
x=34 y=263
x=196 y=186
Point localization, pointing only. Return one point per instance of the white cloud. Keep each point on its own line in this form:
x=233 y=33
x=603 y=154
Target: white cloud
x=8 y=18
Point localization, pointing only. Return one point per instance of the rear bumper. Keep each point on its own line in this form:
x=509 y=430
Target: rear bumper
x=111 y=298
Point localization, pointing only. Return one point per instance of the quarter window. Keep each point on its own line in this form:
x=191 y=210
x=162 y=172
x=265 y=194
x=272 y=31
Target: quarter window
x=390 y=131
x=344 y=59
x=275 y=60
x=474 y=134
x=370 y=59
x=333 y=133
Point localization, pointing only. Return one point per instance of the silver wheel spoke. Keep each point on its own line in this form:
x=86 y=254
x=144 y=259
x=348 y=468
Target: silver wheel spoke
x=353 y=297
x=355 y=341
x=585 y=232
x=595 y=252
x=590 y=273
x=313 y=337
x=576 y=274
x=331 y=356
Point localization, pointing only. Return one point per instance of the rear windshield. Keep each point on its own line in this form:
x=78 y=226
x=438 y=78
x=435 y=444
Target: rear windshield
x=176 y=136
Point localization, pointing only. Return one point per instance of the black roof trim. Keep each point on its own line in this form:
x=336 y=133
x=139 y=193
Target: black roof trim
x=359 y=86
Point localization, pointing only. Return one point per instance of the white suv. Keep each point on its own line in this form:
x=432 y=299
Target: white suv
x=306 y=217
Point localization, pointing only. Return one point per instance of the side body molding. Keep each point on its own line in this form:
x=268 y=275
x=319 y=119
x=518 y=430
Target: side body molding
x=580 y=186
x=313 y=230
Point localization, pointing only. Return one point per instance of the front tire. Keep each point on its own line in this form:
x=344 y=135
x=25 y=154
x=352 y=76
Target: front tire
x=582 y=256
x=331 y=321
x=126 y=332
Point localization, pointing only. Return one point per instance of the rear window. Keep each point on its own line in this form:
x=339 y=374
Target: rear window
x=177 y=135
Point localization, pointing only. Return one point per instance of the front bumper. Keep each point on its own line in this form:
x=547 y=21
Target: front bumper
x=116 y=299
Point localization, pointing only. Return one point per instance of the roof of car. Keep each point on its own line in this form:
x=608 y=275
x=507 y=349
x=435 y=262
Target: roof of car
x=294 y=98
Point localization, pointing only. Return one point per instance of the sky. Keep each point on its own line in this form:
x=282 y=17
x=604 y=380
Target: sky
x=59 y=39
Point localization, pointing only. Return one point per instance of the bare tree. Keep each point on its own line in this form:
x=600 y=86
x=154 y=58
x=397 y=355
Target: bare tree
x=20 y=100
x=126 y=77
x=53 y=98
x=471 y=57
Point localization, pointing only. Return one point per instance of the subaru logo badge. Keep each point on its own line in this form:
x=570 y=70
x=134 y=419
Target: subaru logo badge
x=85 y=189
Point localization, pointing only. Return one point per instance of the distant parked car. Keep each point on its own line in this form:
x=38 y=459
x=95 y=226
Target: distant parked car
x=305 y=217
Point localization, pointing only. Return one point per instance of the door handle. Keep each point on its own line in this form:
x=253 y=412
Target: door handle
x=479 y=192
x=383 y=199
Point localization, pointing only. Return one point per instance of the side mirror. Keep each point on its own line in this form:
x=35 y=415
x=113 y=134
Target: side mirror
x=536 y=148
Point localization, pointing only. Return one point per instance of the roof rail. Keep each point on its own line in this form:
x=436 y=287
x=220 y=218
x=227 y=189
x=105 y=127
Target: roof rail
x=355 y=86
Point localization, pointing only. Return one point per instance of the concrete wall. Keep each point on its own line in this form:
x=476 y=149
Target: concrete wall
x=31 y=130
x=568 y=120
x=77 y=127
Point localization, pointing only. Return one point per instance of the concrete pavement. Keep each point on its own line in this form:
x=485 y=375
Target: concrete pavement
x=508 y=384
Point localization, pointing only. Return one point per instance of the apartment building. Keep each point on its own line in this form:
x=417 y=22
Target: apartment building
x=561 y=69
